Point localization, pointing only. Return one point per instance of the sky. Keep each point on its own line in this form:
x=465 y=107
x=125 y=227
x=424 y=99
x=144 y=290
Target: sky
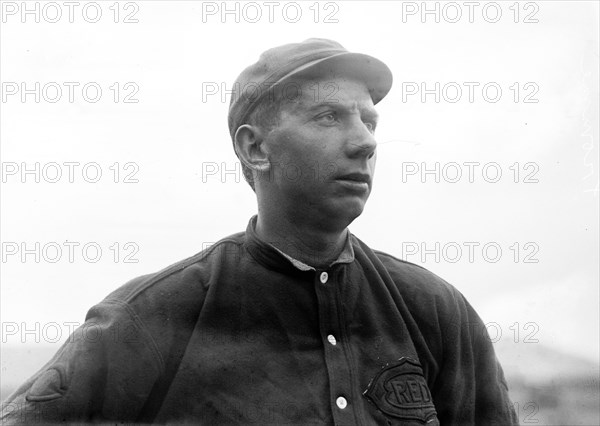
x=117 y=160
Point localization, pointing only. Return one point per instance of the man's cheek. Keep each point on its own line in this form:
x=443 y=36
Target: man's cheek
x=315 y=172
x=287 y=172
x=329 y=170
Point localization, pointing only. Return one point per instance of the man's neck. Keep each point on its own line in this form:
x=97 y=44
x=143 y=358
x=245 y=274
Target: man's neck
x=304 y=241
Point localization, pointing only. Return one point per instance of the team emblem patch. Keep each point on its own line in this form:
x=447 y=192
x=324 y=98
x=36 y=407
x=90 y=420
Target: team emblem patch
x=400 y=390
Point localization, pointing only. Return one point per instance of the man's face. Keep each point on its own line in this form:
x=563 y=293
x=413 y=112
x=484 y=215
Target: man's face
x=322 y=153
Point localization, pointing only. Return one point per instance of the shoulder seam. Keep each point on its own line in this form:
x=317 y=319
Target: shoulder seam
x=177 y=267
x=378 y=252
x=455 y=292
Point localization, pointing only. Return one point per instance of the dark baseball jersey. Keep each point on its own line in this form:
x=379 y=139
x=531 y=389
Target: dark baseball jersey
x=243 y=334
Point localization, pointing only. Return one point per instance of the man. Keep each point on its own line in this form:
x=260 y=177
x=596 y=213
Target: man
x=295 y=321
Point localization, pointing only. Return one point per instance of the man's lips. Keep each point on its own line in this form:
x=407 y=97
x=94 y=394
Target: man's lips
x=356 y=177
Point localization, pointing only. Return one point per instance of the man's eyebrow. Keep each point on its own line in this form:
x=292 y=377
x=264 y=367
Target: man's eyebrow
x=371 y=114
x=368 y=112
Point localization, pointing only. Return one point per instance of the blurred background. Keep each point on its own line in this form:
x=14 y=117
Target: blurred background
x=116 y=162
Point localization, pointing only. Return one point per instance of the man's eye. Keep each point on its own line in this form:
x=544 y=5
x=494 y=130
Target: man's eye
x=370 y=126
x=330 y=117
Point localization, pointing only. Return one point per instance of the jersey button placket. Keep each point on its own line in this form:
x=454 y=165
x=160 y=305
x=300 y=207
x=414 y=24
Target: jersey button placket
x=334 y=351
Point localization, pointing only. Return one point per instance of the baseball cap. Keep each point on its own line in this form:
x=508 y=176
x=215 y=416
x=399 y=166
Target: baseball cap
x=311 y=58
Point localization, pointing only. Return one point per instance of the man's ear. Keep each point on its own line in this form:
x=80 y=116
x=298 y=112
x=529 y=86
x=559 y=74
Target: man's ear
x=250 y=149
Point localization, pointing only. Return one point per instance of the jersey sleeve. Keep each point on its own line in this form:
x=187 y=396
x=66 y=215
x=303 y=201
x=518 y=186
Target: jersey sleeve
x=104 y=371
x=470 y=387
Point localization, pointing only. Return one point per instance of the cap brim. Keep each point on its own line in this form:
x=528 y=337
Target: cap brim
x=374 y=73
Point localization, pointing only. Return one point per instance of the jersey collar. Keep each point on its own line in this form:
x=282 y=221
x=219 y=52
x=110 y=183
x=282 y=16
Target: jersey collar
x=275 y=258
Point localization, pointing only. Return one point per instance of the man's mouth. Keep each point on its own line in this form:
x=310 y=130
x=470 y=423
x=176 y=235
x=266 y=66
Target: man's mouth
x=359 y=182
x=356 y=177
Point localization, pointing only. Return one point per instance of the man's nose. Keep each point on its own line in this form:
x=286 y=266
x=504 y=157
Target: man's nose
x=361 y=141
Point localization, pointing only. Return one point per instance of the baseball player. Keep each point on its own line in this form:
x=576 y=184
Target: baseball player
x=295 y=320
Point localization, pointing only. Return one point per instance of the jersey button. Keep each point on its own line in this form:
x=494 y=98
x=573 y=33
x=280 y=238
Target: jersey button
x=331 y=339
x=341 y=402
x=324 y=277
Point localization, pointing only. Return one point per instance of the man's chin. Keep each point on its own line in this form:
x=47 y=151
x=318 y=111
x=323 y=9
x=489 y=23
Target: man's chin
x=346 y=211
